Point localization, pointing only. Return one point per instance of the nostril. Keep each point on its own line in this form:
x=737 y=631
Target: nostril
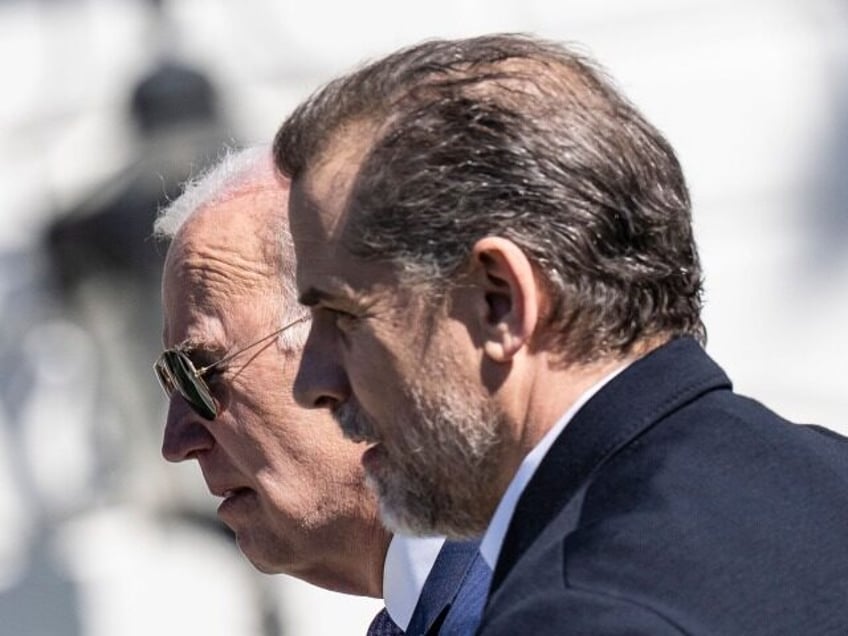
x=185 y=434
x=321 y=385
x=186 y=442
x=325 y=402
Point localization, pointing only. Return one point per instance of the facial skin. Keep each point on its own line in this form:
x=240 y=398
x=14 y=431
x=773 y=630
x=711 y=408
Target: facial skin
x=452 y=395
x=450 y=429
x=293 y=488
x=436 y=461
x=425 y=425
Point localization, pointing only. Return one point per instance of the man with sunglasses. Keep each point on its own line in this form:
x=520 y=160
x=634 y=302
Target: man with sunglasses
x=292 y=488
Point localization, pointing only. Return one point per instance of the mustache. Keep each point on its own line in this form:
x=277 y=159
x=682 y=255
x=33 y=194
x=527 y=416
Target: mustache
x=355 y=425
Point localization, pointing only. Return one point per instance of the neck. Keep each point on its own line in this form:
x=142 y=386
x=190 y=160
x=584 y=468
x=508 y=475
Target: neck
x=547 y=389
x=357 y=567
x=371 y=581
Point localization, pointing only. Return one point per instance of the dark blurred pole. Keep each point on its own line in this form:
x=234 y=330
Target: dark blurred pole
x=174 y=110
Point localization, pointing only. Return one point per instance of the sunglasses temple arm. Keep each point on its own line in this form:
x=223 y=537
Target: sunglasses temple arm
x=203 y=370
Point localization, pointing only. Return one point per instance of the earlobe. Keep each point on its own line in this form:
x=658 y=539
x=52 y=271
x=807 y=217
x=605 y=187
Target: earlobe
x=510 y=309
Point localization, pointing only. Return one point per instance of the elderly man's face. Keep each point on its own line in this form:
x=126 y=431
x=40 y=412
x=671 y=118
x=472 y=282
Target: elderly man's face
x=398 y=374
x=291 y=487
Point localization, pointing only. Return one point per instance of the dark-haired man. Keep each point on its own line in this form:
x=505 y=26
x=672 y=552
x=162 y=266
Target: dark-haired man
x=497 y=251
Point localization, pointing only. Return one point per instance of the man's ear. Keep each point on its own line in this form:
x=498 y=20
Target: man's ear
x=509 y=309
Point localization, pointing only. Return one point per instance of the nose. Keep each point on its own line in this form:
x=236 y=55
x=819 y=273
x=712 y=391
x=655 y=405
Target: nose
x=185 y=433
x=321 y=381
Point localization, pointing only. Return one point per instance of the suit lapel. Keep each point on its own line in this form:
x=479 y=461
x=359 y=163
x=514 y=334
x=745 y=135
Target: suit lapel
x=632 y=402
x=442 y=585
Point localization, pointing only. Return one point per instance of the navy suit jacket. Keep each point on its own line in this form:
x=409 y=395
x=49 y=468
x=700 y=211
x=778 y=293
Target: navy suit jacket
x=454 y=593
x=671 y=505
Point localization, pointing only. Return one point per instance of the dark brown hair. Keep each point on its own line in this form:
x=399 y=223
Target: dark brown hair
x=508 y=135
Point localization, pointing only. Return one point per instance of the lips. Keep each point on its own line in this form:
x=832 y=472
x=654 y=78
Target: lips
x=234 y=492
x=228 y=493
x=225 y=491
x=372 y=458
x=234 y=500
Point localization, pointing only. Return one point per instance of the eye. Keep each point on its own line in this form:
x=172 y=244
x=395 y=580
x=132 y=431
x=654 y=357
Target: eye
x=202 y=357
x=341 y=319
x=344 y=319
x=215 y=373
x=199 y=357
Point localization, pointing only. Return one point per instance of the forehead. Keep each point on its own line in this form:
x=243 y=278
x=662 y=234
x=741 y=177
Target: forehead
x=318 y=214
x=222 y=260
x=320 y=195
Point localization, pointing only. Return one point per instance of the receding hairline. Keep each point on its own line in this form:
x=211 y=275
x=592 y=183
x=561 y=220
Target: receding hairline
x=236 y=173
x=487 y=67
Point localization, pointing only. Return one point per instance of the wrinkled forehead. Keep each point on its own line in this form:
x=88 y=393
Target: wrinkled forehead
x=223 y=258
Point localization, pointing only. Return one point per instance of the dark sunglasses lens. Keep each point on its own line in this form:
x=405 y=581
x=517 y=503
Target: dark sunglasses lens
x=193 y=389
x=166 y=380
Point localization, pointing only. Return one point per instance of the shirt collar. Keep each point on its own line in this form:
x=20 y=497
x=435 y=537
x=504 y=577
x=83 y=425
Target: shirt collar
x=490 y=546
x=406 y=568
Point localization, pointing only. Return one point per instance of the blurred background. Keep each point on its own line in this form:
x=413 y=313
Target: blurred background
x=108 y=104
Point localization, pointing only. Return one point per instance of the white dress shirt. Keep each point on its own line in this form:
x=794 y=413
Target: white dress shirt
x=407 y=566
x=490 y=547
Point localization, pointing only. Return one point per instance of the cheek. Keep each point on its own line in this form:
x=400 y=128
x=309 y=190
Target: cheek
x=377 y=366
x=307 y=444
x=255 y=426
x=261 y=392
x=313 y=480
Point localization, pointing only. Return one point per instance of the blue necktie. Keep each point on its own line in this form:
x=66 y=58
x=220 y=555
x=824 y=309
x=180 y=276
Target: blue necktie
x=383 y=625
x=452 y=600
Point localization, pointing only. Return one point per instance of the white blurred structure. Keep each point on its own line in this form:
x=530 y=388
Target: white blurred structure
x=98 y=536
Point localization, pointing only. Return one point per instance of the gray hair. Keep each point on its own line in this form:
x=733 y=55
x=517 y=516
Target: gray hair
x=234 y=173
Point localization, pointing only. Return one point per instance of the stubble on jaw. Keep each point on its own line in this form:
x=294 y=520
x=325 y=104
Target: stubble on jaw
x=438 y=477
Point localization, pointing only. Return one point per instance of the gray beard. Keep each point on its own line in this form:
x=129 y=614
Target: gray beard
x=438 y=478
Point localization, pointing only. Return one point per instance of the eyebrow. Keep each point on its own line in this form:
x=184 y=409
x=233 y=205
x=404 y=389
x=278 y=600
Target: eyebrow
x=199 y=352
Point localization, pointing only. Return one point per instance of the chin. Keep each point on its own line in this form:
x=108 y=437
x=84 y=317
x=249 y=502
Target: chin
x=257 y=558
x=263 y=567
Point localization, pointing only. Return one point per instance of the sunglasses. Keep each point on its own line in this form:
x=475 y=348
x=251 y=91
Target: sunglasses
x=176 y=372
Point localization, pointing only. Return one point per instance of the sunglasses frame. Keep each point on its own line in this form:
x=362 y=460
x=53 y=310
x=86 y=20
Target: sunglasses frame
x=176 y=372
